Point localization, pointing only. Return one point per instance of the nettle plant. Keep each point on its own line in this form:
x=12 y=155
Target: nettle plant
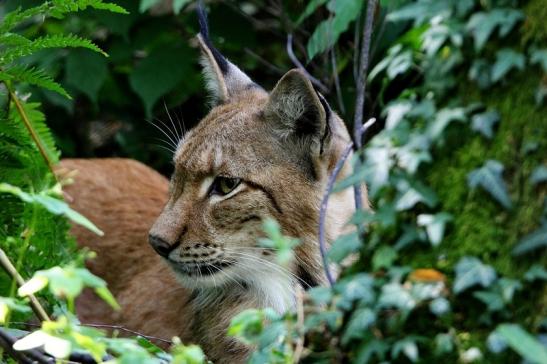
x=394 y=301
x=34 y=218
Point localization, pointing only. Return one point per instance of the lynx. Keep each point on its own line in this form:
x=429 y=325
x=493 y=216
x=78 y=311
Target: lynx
x=256 y=155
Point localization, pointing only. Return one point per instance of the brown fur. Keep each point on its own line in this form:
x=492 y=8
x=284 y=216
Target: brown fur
x=282 y=146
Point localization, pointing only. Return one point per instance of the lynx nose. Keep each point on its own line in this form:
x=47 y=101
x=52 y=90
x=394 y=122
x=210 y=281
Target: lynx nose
x=160 y=246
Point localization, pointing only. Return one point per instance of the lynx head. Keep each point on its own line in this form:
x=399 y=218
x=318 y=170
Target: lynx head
x=256 y=155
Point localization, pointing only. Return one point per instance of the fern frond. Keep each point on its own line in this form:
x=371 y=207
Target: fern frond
x=57 y=9
x=48 y=41
x=12 y=39
x=33 y=76
x=16 y=17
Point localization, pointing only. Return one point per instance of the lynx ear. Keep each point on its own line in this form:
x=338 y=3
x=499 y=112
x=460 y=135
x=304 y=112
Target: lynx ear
x=297 y=110
x=224 y=80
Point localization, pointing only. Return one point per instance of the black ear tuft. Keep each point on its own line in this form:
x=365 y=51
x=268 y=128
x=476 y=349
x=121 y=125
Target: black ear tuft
x=204 y=31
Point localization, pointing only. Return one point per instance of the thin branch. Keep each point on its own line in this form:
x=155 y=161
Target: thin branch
x=361 y=87
x=337 y=81
x=324 y=203
x=32 y=132
x=34 y=303
x=273 y=68
x=324 y=89
x=105 y=326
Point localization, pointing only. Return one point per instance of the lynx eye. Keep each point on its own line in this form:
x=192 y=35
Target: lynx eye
x=224 y=185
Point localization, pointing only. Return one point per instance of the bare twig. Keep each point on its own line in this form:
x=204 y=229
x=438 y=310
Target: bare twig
x=361 y=86
x=324 y=89
x=324 y=203
x=105 y=326
x=273 y=68
x=34 y=303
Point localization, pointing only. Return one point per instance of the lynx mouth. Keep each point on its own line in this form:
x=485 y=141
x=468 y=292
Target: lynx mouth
x=198 y=270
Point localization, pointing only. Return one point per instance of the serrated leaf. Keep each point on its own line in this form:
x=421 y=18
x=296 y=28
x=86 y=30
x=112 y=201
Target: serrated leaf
x=86 y=72
x=470 y=271
x=33 y=76
x=539 y=175
x=506 y=60
x=533 y=241
x=484 y=123
x=523 y=343
x=489 y=177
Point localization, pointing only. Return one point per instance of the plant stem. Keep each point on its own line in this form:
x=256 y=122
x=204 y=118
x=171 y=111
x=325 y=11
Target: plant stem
x=34 y=135
x=34 y=303
x=361 y=87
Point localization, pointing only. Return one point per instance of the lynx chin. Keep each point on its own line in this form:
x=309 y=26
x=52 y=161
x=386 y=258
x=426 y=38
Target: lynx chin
x=256 y=155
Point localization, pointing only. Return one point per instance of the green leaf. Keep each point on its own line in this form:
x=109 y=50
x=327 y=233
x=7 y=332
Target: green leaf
x=539 y=175
x=536 y=272
x=51 y=204
x=470 y=271
x=33 y=76
x=327 y=32
x=484 y=123
x=523 y=343
x=361 y=319
x=45 y=42
x=492 y=300
x=489 y=177
x=310 y=8
x=442 y=119
x=160 y=72
x=506 y=60
x=482 y=24
x=539 y=56
x=434 y=226
x=344 y=246
x=383 y=257
x=533 y=241
x=86 y=72
x=395 y=295
x=408 y=347
x=145 y=5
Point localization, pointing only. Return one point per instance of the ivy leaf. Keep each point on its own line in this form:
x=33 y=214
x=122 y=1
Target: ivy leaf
x=408 y=347
x=484 y=122
x=395 y=295
x=539 y=175
x=523 y=343
x=444 y=117
x=482 y=24
x=344 y=246
x=492 y=300
x=489 y=177
x=539 y=56
x=434 y=226
x=536 y=272
x=506 y=60
x=470 y=271
x=533 y=241
x=383 y=257
x=86 y=71
x=360 y=320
